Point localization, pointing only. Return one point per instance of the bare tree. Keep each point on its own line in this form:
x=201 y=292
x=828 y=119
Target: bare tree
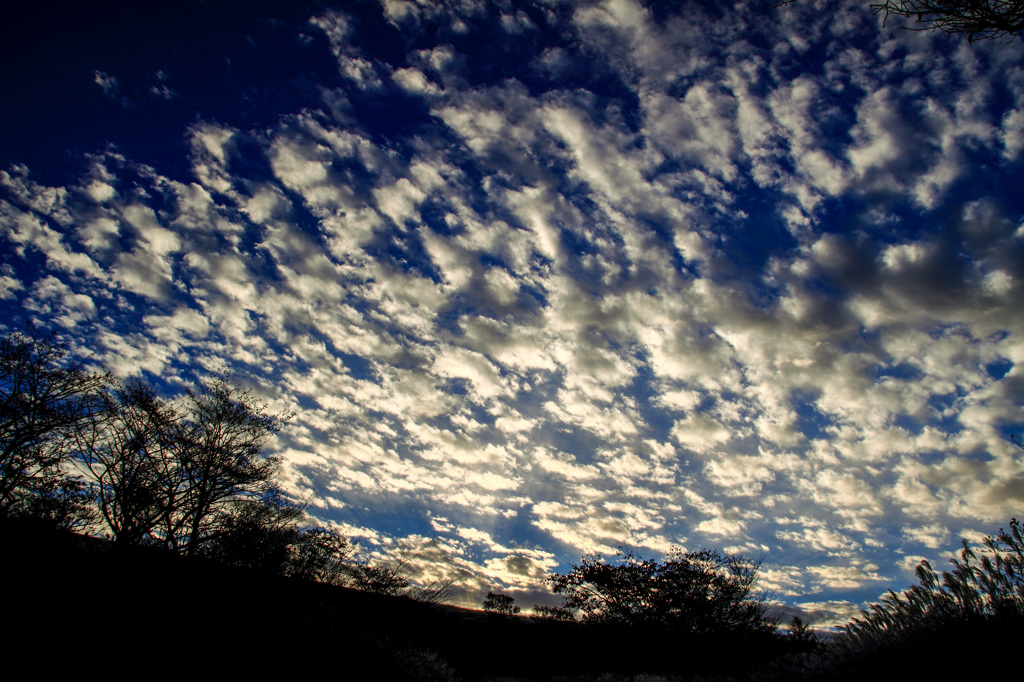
x=189 y=474
x=186 y=474
x=44 y=402
x=218 y=454
x=321 y=555
x=128 y=455
x=978 y=19
x=259 y=533
x=438 y=591
x=388 y=578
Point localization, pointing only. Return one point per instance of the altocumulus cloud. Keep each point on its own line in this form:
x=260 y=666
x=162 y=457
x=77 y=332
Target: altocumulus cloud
x=543 y=278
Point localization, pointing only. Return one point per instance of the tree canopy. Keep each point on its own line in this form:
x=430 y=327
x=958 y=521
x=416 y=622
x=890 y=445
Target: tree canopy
x=218 y=451
x=698 y=591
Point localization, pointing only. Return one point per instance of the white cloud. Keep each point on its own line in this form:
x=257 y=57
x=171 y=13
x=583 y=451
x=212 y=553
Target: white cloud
x=106 y=82
x=699 y=295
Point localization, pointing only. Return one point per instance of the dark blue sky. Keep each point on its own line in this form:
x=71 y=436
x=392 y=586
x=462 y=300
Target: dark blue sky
x=548 y=277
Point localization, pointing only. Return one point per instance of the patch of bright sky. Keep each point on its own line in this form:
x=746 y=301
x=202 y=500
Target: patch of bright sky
x=545 y=278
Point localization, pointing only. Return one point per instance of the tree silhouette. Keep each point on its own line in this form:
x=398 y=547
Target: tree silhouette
x=320 y=555
x=191 y=475
x=130 y=458
x=501 y=604
x=261 y=533
x=387 y=578
x=977 y=19
x=44 y=403
x=700 y=591
x=799 y=631
x=218 y=444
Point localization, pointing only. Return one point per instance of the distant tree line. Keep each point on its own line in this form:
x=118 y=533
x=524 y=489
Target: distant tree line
x=701 y=592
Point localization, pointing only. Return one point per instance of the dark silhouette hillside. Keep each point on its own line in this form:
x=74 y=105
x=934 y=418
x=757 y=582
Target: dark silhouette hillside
x=74 y=602
x=142 y=608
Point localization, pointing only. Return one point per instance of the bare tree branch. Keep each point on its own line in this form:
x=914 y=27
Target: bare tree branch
x=978 y=19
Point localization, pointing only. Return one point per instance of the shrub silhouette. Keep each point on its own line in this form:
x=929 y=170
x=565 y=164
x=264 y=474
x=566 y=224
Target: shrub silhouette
x=977 y=604
x=319 y=555
x=386 y=578
x=801 y=632
x=261 y=534
x=556 y=613
x=989 y=588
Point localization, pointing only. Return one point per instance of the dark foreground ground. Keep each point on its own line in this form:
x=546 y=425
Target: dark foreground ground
x=71 y=603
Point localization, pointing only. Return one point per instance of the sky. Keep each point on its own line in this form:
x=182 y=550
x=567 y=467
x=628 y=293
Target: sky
x=544 y=278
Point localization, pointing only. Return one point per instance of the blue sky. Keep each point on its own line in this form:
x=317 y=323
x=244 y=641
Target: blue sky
x=546 y=278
